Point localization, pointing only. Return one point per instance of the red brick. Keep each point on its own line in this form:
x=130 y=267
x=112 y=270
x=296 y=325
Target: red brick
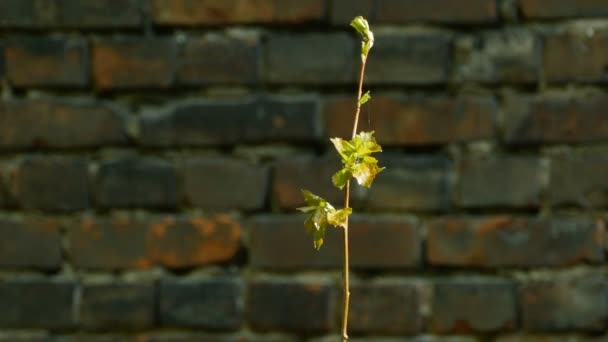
x=550 y=9
x=152 y=183
x=310 y=58
x=281 y=243
x=122 y=305
x=209 y=12
x=416 y=121
x=469 y=305
x=500 y=181
x=213 y=303
x=444 y=11
x=228 y=122
x=216 y=59
x=70 y=14
x=51 y=183
x=30 y=243
x=311 y=173
x=43 y=62
x=59 y=124
x=555 y=118
x=37 y=303
x=310 y=305
x=576 y=56
x=388 y=307
x=171 y=241
x=506 y=241
x=573 y=301
x=579 y=179
x=134 y=63
x=224 y=184
x=410 y=57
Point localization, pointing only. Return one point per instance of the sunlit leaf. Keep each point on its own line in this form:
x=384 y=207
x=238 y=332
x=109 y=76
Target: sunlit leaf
x=338 y=218
x=341 y=177
x=366 y=97
x=366 y=172
x=312 y=199
x=318 y=237
x=343 y=147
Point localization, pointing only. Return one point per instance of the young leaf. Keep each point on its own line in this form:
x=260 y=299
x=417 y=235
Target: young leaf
x=366 y=172
x=318 y=237
x=341 y=177
x=343 y=147
x=366 y=97
x=338 y=217
x=312 y=199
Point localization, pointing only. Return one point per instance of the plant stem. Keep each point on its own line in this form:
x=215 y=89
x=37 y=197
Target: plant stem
x=346 y=289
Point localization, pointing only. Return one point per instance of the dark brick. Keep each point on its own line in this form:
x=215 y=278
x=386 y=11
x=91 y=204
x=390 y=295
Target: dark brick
x=174 y=242
x=37 y=303
x=51 y=183
x=546 y=338
x=2 y=62
x=445 y=11
x=84 y=337
x=342 y=12
x=416 y=120
x=199 y=337
x=136 y=182
x=410 y=183
x=134 y=63
x=576 y=56
x=409 y=57
x=46 y=62
x=555 y=118
x=291 y=305
x=281 y=243
x=32 y=242
x=59 y=124
x=219 y=183
x=514 y=241
x=565 y=302
x=69 y=14
x=550 y=9
x=505 y=56
x=216 y=59
x=580 y=180
x=391 y=307
x=215 y=304
x=222 y=122
x=24 y=337
x=500 y=181
x=473 y=305
x=209 y=12
x=310 y=59
x=117 y=305
x=311 y=173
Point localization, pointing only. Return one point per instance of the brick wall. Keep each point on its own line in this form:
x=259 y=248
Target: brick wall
x=152 y=152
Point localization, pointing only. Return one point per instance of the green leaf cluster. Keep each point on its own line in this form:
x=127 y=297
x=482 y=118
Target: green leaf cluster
x=361 y=25
x=321 y=214
x=357 y=160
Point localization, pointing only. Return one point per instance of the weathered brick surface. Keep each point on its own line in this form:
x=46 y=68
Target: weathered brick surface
x=511 y=181
x=51 y=183
x=386 y=307
x=224 y=184
x=151 y=183
x=576 y=56
x=70 y=14
x=417 y=120
x=478 y=304
x=410 y=183
x=30 y=243
x=46 y=62
x=134 y=63
x=555 y=119
x=215 y=59
x=569 y=301
x=342 y=12
x=579 y=180
x=37 y=303
x=409 y=57
x=209 y=12
x=174 y=242
x=215 y=304
x=507 y=56
x=310 y=59
x=117 y=305
x=514 y=241
x=550 y=9
x=281 y=243
x=461 y=12
x=200 y=337
x=59 y=124
x=226 y=122
x=310 y=305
